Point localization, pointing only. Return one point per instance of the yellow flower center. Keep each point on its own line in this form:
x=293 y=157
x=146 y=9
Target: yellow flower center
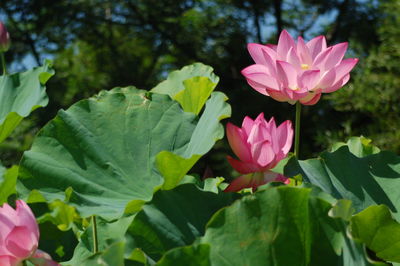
x=305 y=66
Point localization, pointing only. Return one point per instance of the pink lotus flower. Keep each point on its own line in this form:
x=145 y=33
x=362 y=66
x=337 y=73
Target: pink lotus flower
x=290 y=72
x=4 y=38
x=19 y=236
x=259 y=145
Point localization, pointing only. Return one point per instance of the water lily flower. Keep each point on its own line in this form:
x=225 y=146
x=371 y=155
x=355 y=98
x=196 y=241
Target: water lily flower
x=290 y=71
x=260 y=146
x=19 y=237
x=4 y=38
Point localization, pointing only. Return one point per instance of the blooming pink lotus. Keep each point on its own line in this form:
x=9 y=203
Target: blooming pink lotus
x=259 y=145
x=4 y=38
x=19 y=236
x=290 y=72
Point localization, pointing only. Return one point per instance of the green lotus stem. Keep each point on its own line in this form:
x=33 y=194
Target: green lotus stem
x=94 y=230
x=297 y=130
x=3 y=64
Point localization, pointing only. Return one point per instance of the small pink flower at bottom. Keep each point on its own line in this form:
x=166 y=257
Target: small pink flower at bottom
x=19 y=235
x=260 y=145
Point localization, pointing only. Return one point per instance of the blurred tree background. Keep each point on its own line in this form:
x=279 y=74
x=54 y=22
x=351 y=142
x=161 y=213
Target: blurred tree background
x=100 y=44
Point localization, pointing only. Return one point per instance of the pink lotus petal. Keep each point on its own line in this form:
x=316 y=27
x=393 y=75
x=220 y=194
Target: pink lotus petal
x=7 y=218
x=283 y=179
x=260 y=118
x=258 y=87
x=285 y=136
x=243 y=167
x=287 y=74
x=278 y=96
x=293 y=59
x=27 y=218
x=263 y=153
x=339 y=84
x=270 y=60
x=285 y=42
x=19 y=233
x=41 y=258
x=336 y=55
x=316 y=46
x=344 y=67
x=246 y=181
x=21 y=243
x=259 y=75
x=247 y=125
x=311 y=99
x=9 y=261
x=303 y=52
x=272 y=46
x=261 y=54
x=238 y=142
x=320 y=59
x=256 y=53
x=259 y=132
x=309 y=79
x=327 y=79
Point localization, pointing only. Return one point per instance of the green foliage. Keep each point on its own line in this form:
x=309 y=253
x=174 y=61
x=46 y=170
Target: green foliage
x=8 y=180
x=99 y=167
x=376 y=227
x=371 y=101
x=369 y=180
x=249 y=232
x=175 y=82
x=22 y=93
x=61 y=215
x=174 y=167
x=175 y=218
x=111 y=256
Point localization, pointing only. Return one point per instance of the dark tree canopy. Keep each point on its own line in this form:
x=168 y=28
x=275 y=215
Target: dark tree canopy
x=99 y=44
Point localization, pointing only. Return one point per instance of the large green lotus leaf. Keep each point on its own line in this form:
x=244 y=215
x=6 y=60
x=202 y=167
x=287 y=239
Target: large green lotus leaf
x=376 y=228
x=175 y=218
x=278 y=225
x=369 y=180
x=20 y=94
x=175 y=81
x=265 y=227
x=208 y=130
x=99 y=154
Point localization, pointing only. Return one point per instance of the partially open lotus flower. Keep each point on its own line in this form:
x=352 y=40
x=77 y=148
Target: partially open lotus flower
x=19 y=237
x=290 y=72
x=260 y=146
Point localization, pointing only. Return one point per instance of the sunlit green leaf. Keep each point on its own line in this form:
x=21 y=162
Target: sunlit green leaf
x=20 y=94
x=376 y=228
x=208 y=130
